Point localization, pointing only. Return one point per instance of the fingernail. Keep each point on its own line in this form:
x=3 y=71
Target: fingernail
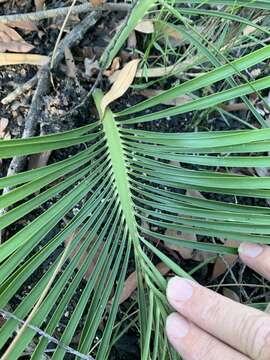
x=179 y=289
x=251 y=250
x=176 y=326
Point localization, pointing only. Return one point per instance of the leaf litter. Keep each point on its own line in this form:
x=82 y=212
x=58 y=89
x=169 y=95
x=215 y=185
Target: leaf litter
x=119 y=88
x=10 y=40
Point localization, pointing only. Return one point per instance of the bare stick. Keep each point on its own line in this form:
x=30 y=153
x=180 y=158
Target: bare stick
x=19 y=91
x=18 y=162
x=61 y=32
x=76 y=35
x=52 y=13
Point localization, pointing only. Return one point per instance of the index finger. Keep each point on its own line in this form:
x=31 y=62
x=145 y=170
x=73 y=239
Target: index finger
x=244 y=328
x=256 y=257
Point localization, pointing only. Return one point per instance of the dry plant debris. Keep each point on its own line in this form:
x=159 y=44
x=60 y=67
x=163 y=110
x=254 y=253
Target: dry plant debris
x=145 y=27
x=222 y=263
x=131 y=282
x=10 y=40
x=124 y=80
x=3 y=127
x=16 y=59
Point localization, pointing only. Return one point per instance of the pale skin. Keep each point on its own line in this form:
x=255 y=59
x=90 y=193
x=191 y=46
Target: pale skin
x=208 y=326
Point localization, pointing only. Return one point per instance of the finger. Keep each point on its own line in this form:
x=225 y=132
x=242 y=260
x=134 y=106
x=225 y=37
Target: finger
x=192 y=343
x=244 y=328
x=257 y=257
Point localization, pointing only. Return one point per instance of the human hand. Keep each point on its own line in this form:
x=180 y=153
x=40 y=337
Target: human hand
x=209 y=326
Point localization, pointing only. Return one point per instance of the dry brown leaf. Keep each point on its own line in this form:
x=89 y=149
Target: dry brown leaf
x=10 y=40
x=145 y=27
x=129 y=287
x=221 y=266
x=97 y=2
x=163 y=268
x=23 y=24
x=70 y=63
x=184 y=252
x=231 y=294
x=158 y=71
x=114 y=67
x=197 y=254
x=39 y=4
x=194 y=193
x=3 y=126
x=121 y=85
x=132 y=40
x=31 y=59
x=38 y=160
x=85 y=254
x=131 y=282
x=149 y=93
x=250 y=29
x=90 y=66
x=234 y=107
x=175 y=36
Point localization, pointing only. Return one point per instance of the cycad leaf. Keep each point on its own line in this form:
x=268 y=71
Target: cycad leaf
x=124 y=178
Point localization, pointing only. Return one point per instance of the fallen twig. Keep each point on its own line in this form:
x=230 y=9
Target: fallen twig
x=61 y=32
x=18 y=162
x=52 y=13
x=19 y=91
x=75 y=35
x=9 y=315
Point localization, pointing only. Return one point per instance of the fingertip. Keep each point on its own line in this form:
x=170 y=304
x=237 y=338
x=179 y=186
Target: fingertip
x=177 y=327
x=191 y=342
x=179 y=290
x=256 y=257
x=250 y=251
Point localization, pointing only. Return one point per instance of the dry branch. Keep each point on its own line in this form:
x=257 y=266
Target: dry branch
x=76 y=35
x=19 y=91
x=52 y=13
x=18 y=162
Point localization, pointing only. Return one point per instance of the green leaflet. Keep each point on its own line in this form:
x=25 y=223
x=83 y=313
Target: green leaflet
x=209 y=78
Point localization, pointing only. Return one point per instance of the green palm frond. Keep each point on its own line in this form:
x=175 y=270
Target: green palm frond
x=126 y=177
